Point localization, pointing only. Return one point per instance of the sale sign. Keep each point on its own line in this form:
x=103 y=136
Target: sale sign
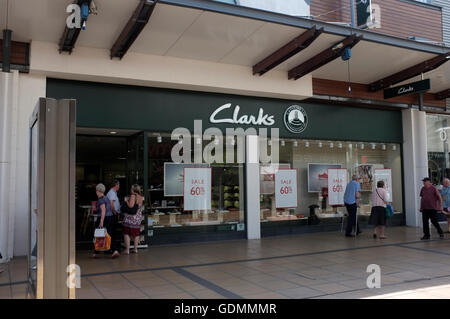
x=385 y=175
x=337 y=181
x=197 y=188
x=286 y=188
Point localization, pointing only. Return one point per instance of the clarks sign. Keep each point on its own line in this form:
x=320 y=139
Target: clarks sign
x=295 y=117
x=260 y=119
x=411 y=88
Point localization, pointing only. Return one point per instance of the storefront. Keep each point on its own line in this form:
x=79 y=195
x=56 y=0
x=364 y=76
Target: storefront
x=438 y=147
x=125 y=133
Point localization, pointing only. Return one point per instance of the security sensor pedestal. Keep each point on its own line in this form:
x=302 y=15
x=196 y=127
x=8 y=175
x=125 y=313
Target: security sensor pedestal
x=52 y=273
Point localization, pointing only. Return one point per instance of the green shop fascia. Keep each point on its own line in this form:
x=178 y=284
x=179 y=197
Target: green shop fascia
x=149 y=110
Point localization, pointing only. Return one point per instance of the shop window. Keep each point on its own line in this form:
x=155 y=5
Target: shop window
x=166 y=206
x=310 y=161
x=438 y=147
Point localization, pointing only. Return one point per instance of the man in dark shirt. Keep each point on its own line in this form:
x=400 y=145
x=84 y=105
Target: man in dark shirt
x=430 y=204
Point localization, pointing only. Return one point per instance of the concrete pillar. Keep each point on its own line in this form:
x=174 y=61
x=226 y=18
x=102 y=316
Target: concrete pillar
x=8 y=112
x=415 y=162
x=252 y=187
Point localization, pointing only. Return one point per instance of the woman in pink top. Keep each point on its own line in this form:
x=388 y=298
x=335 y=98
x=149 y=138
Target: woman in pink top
x=378 y=213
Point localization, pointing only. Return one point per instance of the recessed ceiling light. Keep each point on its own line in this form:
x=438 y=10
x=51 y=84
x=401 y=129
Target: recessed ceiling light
x=113 y=132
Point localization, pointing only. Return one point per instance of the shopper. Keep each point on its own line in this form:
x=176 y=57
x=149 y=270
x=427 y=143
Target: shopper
x=351 y=201
x=378 y=213
x=132 y=222
x=430 y=204
x=1 y=269
x=105 y=218
x=445 y=194
x=113 y=198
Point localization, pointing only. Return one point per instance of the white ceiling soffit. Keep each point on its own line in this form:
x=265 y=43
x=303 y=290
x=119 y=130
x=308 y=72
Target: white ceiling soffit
x=204 y=35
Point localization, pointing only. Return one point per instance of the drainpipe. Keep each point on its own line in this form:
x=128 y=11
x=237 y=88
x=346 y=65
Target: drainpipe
x=6 y=48
x=352 y=11
x=6 y=109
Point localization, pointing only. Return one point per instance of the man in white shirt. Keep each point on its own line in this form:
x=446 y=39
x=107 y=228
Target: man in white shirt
x=112 y=196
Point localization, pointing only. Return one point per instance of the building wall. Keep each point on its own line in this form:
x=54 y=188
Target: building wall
x=445 y=4
x=162 y=71
x=398 y=18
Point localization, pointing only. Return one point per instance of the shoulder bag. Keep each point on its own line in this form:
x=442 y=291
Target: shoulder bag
x=389 y=209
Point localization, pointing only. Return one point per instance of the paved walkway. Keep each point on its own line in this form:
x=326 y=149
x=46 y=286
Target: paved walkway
x=322 y=265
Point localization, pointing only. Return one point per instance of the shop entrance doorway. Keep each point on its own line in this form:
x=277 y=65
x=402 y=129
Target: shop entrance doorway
x=104 y=156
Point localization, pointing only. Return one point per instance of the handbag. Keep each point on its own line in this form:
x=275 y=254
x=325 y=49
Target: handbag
x=125 y=209
x=100 y=232
x=389 y=209
x=102 y=240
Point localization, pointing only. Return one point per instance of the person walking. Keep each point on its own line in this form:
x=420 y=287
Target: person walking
x=115 y=207
x=351 y=201
x=105 y=218
x=430 y=204
x=378 y=212
x=445 y=194
x=113 y=198
x=132 y=222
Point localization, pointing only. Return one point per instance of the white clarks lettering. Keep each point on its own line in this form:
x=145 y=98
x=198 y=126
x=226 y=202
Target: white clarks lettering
x=405 y=90
x=262 y=119
x=186 y=309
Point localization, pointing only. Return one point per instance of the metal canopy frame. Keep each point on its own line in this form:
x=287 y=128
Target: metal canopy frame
x=443 y=94
x=70 y=36
x=323 y=57
x=287 y=51
x=304 y=23
x=133 y=28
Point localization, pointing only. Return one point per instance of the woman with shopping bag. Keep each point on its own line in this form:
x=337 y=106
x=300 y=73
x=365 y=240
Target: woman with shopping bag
x=105 y=221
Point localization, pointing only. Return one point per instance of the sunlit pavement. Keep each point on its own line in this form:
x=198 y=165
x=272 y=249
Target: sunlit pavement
x=320 y=265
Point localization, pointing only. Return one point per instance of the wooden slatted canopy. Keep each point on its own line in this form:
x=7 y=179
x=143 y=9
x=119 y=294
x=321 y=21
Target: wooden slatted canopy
x=323 y=57
x=410 y=72
x=133 y=28
x=287 y=51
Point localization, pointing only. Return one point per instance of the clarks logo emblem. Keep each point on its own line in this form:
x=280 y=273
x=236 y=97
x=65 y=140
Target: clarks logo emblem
x=261 y=119
x=295 y=119
x=404 y=90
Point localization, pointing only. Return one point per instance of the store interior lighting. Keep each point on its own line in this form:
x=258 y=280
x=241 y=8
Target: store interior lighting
x=394 y=147
x=320 y=144
x=383 y=147
x=362 y=146
x=331 y=145
x=340 y=145
x=373 y=146
x=282 y=143
x=295 y=143
x=159 y=139
x=306 y=144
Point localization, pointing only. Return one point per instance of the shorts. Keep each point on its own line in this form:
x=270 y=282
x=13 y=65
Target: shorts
x=133 y=232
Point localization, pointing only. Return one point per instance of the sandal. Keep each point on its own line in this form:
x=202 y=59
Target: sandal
x=115 y=254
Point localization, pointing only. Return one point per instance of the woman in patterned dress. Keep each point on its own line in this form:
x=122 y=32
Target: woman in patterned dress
x=132 y=223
